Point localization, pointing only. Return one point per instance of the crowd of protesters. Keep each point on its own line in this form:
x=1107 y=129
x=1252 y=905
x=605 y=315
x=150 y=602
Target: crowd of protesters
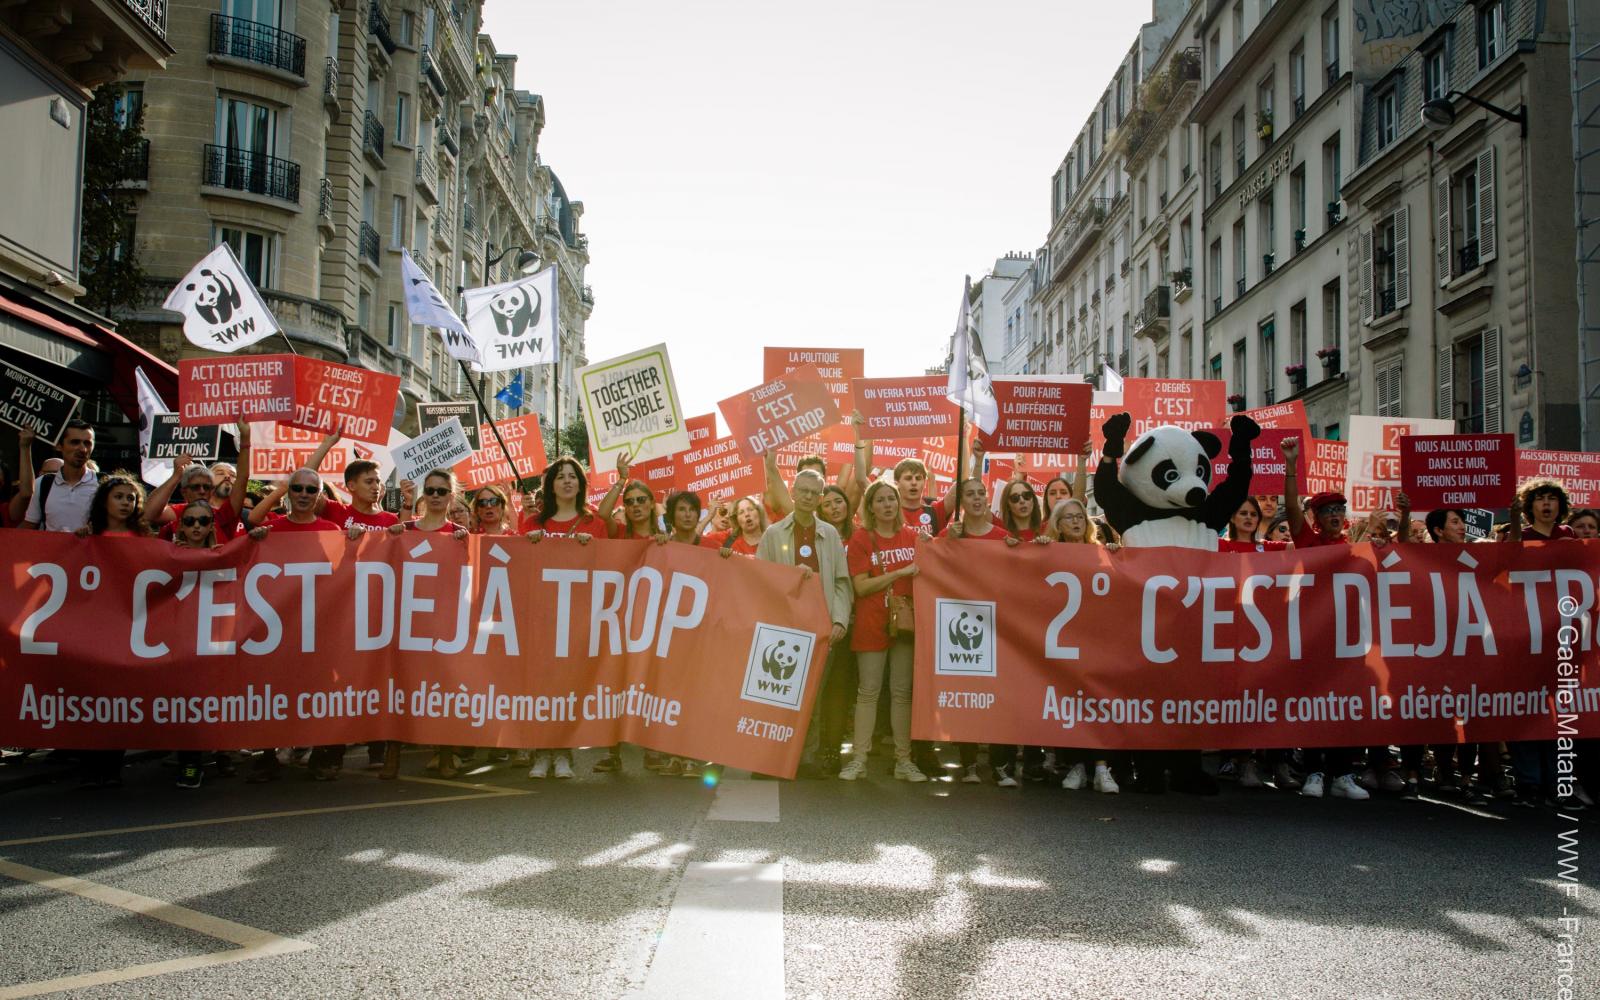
x=860 y=538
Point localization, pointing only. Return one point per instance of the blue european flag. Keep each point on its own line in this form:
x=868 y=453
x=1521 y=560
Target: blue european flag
x=511 y=395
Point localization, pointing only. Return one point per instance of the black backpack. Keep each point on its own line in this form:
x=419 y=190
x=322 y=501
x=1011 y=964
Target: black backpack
x=42 y=487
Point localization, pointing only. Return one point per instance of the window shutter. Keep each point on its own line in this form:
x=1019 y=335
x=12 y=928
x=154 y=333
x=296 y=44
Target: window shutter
x=1444 y=374
x=1486 y=226
x=1366 y=275
x=1388 y=390
x=1402 y=257
x=1491 y=382
x=1441 y=231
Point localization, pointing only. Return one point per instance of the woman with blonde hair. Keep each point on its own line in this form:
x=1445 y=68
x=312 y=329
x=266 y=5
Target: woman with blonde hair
x=1070 y=524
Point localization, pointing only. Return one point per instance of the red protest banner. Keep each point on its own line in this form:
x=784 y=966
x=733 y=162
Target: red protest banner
x=661 y=474
x=910 y=407
x=837 y=367
x=488 y=464
x=1288 y=416
x=1458 y=470
x=783 y=410
x=1266 y=460
x=1322 y=466
x=309 y=639
x=1193 y=404
x=227 y=390
x=1577 y=471
x=717 y=470
x=1372 y=473
x=356 y=402
x=1310 y=647
x=836 y=443
x=1040 y=416
x=277 y=450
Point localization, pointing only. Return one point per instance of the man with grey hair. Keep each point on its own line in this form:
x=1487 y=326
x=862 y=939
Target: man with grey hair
x=303 y=488
x=803 y=539
x=193 y=481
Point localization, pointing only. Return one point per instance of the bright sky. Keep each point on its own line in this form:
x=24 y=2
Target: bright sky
x=803 y=175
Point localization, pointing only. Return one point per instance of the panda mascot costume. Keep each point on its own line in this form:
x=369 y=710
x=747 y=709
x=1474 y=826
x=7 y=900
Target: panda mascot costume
x=1160 y=495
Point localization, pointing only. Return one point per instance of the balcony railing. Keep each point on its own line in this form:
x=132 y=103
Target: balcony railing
x=1382 y=302
x=1268 y=262
x=378 y=25
x=1216 y=304
x=1299 y=106
x=330 y=80
x=369 y=243
x=325 y=201
x=1238 y=286
x=372 y=136
x=1333 y=72
x=1335 y=214
x=427 y=173
x=430 y=71
x=469 y=218
x=259 y=43
x=1299 y=240
x=152 y=12
x=447 y=138
x=255 y=173
x=137 y=168
x=1467 y=257
x=1155 y=311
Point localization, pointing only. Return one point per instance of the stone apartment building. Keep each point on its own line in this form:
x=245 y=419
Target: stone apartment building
x=321 y=140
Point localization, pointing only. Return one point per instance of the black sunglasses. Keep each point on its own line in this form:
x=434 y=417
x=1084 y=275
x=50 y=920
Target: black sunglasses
x=634 y=501
x=304 y=489
x=191 y=522
x=436 y=491
x=200 y=486
x=488 y=501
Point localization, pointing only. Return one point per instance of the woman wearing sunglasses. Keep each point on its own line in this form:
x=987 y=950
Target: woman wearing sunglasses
x=491 y=511
x=196 y=529
x=438 y=490
x=638 y=505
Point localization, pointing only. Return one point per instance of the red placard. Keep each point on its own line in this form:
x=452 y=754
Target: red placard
x=277 y=450
x=1266 y=460
x=784 y=410
x=226 y=390
x=1040 y=416
x=1193 y=404
x=1322 y=466
x=356 y=402
x=836 y=443
x=1458 y=470
x=910 y=407
x=837 y=367
x=1577 y=471
x=1289 y=416
x=488 y=464
x=717 y=470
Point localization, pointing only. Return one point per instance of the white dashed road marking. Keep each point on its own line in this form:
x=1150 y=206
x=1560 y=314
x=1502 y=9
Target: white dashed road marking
x=723 y=938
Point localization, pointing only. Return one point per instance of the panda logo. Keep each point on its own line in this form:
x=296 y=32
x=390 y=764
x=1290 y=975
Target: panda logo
x=516 y=310
x=967 y=631
x=216 y=297
x=1170 y=468
x=780 y=659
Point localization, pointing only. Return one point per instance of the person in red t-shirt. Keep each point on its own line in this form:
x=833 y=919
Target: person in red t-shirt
x=562 y=513
x=882 y=560
x=1020 y=514
x=750 y=522
x=363 y=513
x=638 y=505
x=438 y=494
x=1544 y=503
x=195 y=482
x=1326 y=525
x=302 y=488
x=1244 y=535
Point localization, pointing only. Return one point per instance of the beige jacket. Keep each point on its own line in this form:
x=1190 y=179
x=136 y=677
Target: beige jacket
x=777 y=545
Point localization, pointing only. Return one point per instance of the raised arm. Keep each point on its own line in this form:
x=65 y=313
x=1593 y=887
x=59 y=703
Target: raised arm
x=1080 y=482
x=241 y=479
x=1291 y=491
x=315 y=462
x=161 y=496
x=777 y=493
x=25 y=477
x=608 y=503
x=1403 y=505
x=269 y=503
x=862 y=465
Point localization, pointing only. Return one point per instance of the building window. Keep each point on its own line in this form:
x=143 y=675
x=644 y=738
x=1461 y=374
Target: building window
x=1241 y=259
x=246 y=127
x=1214 y=274
x=402 y=120
x=408 y=28
x=1216 y=368
x=1299 y=349
x=397 y=223
x=1241 y=353
x=1331 y=179
x=1331 y=432
x=1471 y=421
x=364 y=309
x=1186 y=353
x=1491 y=32
x=1238 y=24
x=257 y=252
x=1297 y=208
x=1383 y=267
x=1435 y=74
x=1388 y=114
x=1269 y=361
x=1330 y=44
x=1214 y=50
x=1186 y=244
x=1238 y=144
x=1387 y=385
x=125 y=107
x=1216 y=166
x=396 y=324
x=1267 y=231
x=1264 y=106
x=1332 y=315
x=1469 y=379
x=1297 y=79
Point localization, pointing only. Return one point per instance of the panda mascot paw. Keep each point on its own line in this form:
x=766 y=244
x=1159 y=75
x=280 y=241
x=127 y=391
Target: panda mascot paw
x=1244 y=431
x=1115 y=429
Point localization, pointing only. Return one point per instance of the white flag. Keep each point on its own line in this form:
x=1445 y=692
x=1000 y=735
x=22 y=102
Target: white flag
x=154 y=472
x=514 y=324
x=969 y=386
x=426 y=307
x=1110 y=381
x=222 y=311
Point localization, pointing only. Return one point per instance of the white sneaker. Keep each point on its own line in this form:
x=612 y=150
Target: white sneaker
x=1074 y=779
x=1391 y=781
x=854 y=768
x=1366 y=779
x=1003 y=776
x=903 y=771
x=541 y=766
x=563 y=767
x=1250 y=774
x=520 y=758
x=1313 y=786
x=1103 y=781
x=1345 y=787
x=970 y=776
x=1284 y=778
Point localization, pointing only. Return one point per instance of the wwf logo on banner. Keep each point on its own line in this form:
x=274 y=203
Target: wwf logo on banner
x=775 y=671
x=965 y=639
x=514 y=324
x=516 y=310
x=222 y=311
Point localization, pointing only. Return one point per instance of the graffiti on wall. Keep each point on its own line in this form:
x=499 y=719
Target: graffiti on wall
x=1386 y=30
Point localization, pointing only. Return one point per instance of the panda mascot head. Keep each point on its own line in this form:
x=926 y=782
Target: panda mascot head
x=1161 y=492
x=516 y=310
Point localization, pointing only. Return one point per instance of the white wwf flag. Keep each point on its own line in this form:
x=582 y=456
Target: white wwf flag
x=426 y=307
x=969 y=386
x=153 y=472
x=222 y=311
x=514 y=324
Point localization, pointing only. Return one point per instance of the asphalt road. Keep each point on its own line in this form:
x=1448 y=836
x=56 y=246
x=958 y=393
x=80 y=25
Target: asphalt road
x=633 y=885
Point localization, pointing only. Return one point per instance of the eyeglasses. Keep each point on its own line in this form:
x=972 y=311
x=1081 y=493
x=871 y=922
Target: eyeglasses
x=202 y=487
x=436 y=491
x=635 y=501
x=196 y=522
x=1332 y=508
x=489 y=501
x=303 y=489
x=1022 y=496
x=1078 y=518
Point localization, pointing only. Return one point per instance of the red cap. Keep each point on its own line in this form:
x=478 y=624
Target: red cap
x=1324 y=499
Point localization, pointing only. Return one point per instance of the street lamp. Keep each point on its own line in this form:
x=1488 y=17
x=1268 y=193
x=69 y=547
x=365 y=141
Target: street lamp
x=1439 y=114
x=527 y=260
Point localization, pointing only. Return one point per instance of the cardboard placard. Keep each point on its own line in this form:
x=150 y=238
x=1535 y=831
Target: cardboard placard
x=838 y=367
x=1287 y=416
x=1458 y=470
x=431 y=415
x=29 y=403
x=786 y=409
x=1322 y=466
x=717 y=470
x=1266 y=460
x=227 y=390
x=169 y=438
x=1372 y=471
x=630 y=403
x=488 y=464
x=439 y=448
x=358 y=403
x=1577 y=471
x=911 y=407
x=277 y=450
x=1040 y=415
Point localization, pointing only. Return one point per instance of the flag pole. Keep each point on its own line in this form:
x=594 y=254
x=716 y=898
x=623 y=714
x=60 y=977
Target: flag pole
x=483 y=410
x=961 y=451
